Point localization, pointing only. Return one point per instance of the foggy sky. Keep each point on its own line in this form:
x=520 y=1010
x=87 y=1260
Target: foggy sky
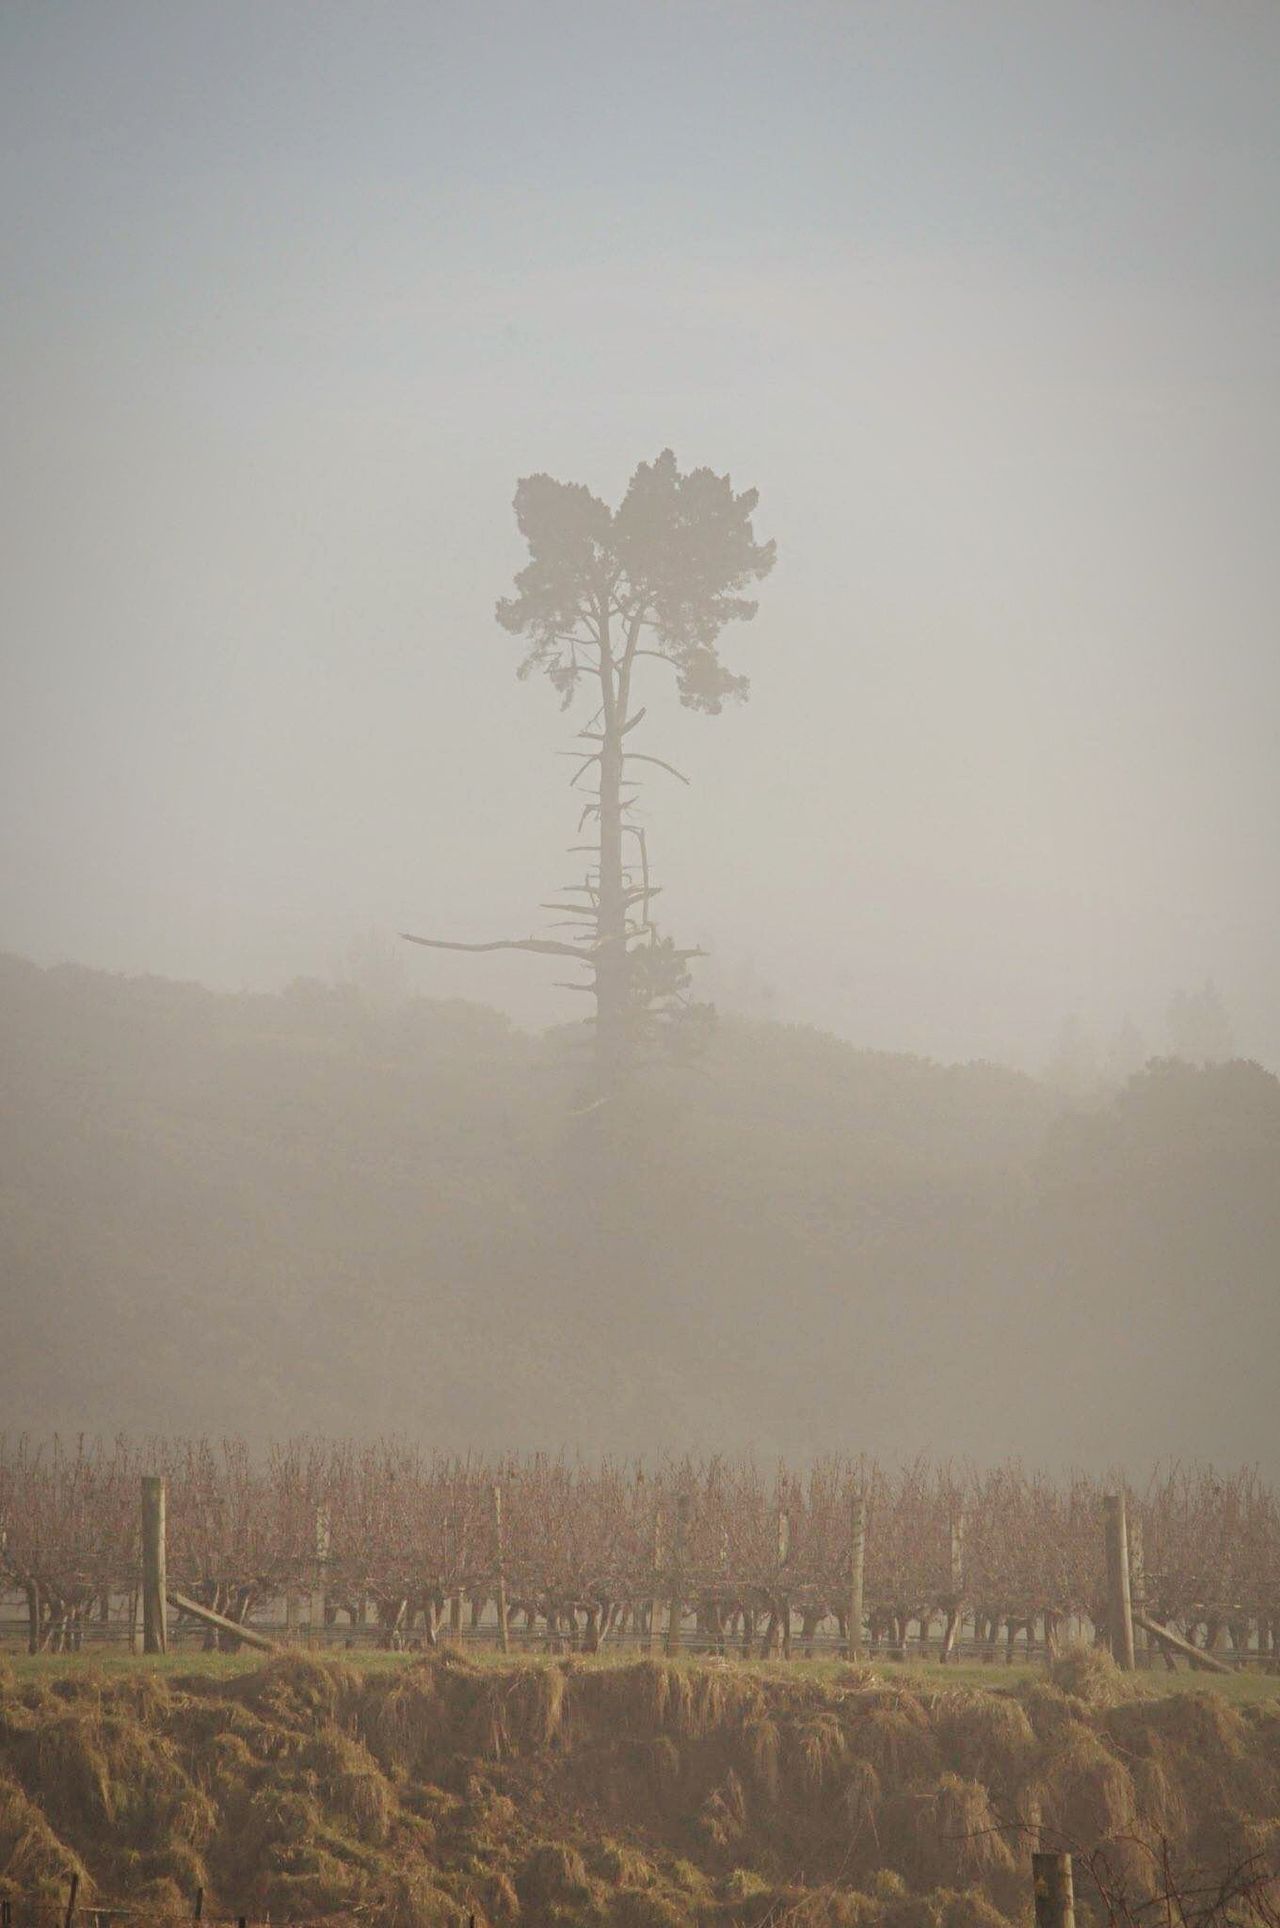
x=986 y=302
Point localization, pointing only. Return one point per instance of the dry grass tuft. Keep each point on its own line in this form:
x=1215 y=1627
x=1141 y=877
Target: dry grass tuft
x=947 y=1836
x=657 y=1687
x=856 y=1677
x=1195 y=1723
x=402 y=1720
x=480 y=1721
x=666 y=1769
x=295 y=1690
x=416 y=1901
x=892 y=1731
x=554 y=1873
x=818 y=1748
x=1054 y=1716
x=972 y=1909
x=535 y=1706
x=623 y=1866
x=501 y=1902
x=985 y=1737
x=1086 y=1794
x=1161 y=1804
x=32 y=1858
x=66 y=1768
x=1090 y=1674
x=640 y=1908
x=350 y=1784
x=764 y=1752
x=722 y=1818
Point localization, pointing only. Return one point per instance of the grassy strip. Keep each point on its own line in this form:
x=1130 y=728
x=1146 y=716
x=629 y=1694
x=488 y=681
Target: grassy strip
x=1251 y=1688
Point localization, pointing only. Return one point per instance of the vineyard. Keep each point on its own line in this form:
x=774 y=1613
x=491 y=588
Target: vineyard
x=387 y=1544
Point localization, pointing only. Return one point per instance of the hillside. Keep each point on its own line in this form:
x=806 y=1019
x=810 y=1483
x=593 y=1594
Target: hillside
x=639 y=1796
x=279 y=1213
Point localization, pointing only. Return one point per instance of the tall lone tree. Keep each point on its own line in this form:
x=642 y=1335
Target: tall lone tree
x=656 y=579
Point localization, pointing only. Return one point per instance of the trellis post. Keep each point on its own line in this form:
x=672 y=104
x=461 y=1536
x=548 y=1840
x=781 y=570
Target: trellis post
x=1119 y=1600
x=1138 y=1592
x=154 y=1578
x=955 y=1602
x=659 y=1556
x=857 y=1565
x=504 y=1640
x=675 y=1607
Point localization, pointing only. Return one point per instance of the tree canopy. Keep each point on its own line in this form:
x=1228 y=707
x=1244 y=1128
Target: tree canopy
x=668 y=567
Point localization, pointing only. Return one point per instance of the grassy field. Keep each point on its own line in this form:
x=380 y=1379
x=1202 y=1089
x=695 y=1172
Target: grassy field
x=1250 y=1688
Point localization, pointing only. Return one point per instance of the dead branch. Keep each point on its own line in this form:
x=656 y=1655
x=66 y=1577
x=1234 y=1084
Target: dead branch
x=637 y=756
x=545 y=945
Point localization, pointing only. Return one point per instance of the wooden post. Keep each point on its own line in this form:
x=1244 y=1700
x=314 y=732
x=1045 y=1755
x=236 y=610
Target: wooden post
x=70 y=1915
x=504 y=1640
x=659 y=1558
x=957 y=1555
x=676 y=1602
x=1174 y=1641
x=1138 y=1593
x=955 y=1604
x=784 y=1597
x=154 y=1589
x=220 y=1623
x=857 y=1564
x=453 y=1560
x=1054 y=1891
x=1119 y=1603
x=198 y=1910
x=317 y=1598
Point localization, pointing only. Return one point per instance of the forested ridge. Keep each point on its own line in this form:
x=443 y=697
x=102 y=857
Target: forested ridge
x=315 y=1211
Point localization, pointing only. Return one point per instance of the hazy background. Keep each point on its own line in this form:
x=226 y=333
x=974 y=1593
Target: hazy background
x=984 y=300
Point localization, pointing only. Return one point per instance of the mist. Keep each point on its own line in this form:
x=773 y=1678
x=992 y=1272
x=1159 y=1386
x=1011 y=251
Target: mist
x=964 y=326
x=983 y=303
x=639 y=1043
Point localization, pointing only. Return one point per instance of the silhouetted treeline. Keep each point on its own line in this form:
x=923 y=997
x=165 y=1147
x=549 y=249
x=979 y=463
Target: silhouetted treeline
x=309 y=1211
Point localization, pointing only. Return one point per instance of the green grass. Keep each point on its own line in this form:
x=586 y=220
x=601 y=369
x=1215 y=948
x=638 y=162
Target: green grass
x=1240 y=1689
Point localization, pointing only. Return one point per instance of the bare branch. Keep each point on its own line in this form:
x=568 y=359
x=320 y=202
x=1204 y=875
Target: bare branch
x=636 y=756
x=546 y=946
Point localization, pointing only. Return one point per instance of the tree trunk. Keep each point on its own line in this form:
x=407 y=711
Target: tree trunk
x=611 y=910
